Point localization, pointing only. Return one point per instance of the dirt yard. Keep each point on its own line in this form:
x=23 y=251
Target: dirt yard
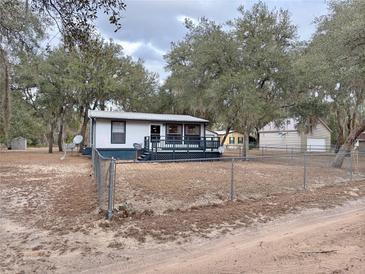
x=162 y=187
x=49 y=221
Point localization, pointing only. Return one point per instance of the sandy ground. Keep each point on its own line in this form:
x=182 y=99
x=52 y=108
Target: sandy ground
x=49 y=222
x=315 y=241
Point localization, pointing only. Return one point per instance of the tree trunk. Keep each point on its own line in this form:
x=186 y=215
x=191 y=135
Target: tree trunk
x=341 y=137
x=225 y=135
x=102 y=105
x=50 y=138
x=83 y=128
x=340 y=141
x=60 y=137
x=61 y=129
x=6 y=98
x=346 y=147
x=257 y=138
x=246 y=138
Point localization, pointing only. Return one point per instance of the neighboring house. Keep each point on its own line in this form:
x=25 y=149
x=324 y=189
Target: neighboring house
x=233 y=137
x=210 y=133
x=161 y=136
x=288 y=136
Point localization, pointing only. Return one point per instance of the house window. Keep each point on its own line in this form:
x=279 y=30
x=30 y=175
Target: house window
x=192 y=130
x=240 y=140
x=192 y=134
x=118 y=132
x=231 y=140
x=173 y=133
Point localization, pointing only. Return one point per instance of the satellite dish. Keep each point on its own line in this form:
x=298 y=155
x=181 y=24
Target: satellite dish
x=137 y=146
x=77 y=139
x=221 y=149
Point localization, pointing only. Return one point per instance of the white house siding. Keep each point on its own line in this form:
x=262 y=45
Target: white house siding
x=286 y=125
x=319 y=132
x=362 y=146
x=280 y=140
x=269 y=137
x=135 y=132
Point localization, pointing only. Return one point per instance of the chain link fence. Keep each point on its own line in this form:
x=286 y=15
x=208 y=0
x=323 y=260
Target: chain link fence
x=273 y=150
x=104 y=175
x=162 y=186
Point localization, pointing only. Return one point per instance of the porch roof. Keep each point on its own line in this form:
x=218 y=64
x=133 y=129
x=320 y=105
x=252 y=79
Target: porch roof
x=145 y=116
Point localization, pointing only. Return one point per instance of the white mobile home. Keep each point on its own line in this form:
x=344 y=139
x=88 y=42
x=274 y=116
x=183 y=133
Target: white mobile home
x=161 y=136
x=288 y=136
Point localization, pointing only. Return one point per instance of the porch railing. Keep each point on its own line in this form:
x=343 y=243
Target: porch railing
x=177 y=143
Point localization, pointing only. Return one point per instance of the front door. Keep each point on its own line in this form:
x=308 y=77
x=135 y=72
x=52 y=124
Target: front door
x=155 y=133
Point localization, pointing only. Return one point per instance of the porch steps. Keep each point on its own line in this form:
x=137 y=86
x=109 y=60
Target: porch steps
x=145 y=156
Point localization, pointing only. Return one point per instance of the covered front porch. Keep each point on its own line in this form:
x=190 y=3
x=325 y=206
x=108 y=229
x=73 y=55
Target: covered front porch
x=181 y=147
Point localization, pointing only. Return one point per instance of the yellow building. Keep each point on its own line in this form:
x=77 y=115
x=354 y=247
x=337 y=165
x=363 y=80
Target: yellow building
x=233 y=138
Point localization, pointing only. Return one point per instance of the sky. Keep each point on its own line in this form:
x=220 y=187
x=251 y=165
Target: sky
x=149 y=26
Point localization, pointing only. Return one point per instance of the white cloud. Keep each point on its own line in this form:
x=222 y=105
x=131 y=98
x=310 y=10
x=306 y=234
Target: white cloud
x=133 y=48
x=156 y=49
x=129 y=47
x=150 y=54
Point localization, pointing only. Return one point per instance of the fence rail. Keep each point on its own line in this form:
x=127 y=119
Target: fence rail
x=237 y=150
x=161 y=185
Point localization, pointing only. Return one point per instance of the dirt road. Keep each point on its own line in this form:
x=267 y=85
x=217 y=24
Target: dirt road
x=315 y=241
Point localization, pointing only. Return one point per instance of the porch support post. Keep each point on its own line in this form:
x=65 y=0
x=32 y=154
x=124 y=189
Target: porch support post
x=173 y=150
x=205 y=141
x=183 y=132
x=188 y=146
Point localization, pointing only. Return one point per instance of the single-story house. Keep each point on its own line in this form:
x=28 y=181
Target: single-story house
x=160 y=136
x=288 y=136
x=234 y=138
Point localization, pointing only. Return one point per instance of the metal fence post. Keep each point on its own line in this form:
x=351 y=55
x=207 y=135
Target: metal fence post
x=111 y=188
x=93 y=158
x=232 y=181
x=351 y=169
x=98 y=180
x=305 y=171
